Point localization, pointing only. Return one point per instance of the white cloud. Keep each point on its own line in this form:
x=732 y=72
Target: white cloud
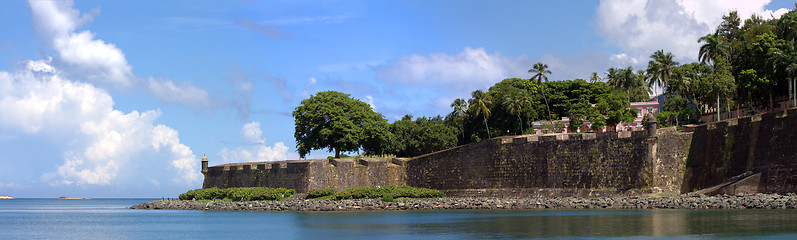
x=186 y=93
x=94 y=59
x=252 y=133
x=622 y=60
x=640 y=27
x=460 y=73
x=84 y=57
x=99 y=140
x=255 y=148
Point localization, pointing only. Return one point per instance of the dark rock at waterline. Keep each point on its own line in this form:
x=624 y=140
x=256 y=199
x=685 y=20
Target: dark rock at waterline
x=740 y=201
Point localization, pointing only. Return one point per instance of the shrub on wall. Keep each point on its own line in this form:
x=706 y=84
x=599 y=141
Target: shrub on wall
x=238 y=194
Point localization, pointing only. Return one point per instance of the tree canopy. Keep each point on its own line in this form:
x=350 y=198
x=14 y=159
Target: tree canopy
x=336 y=122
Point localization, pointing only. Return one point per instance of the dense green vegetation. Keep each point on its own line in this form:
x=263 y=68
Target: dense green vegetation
x=383 y=192
x=238 y=194
x=334 y=121
x=743 y=65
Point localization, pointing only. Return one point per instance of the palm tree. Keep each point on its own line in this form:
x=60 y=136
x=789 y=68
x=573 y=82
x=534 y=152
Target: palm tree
x=595 y=78
x=784 y=61
x=514 y=105
x=626 y=79
x=788 y=25
x=713 y=48
x=480 y=105
x=460 y=107
x=660 y=67
x=611 y=76
x=539 y=70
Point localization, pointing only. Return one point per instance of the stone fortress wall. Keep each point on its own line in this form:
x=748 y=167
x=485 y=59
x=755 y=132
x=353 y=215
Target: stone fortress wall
x=758 y=152
x=305 y=175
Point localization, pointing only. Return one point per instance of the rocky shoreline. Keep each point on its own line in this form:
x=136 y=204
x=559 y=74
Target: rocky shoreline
x=739 y=201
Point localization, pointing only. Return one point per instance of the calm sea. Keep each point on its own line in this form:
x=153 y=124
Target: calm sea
x=109 y=219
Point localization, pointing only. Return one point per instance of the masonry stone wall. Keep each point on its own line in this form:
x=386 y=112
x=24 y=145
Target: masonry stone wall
x=592 y=160
x=306 y=175
x=765 y=144
x=763 y=148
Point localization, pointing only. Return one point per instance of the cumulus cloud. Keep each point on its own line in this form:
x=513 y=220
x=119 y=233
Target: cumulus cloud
x=85 y=57
x=102 y=140
x=255 y=148
x=461 y=72
x=640 y=27
x=95 y=59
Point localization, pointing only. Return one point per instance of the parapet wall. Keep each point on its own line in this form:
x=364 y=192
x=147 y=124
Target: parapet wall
x=762 y=146
x=765 y=144
x=614 y=160
x=305 y=175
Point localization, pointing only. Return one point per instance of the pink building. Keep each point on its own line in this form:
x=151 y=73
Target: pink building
x=645 y=108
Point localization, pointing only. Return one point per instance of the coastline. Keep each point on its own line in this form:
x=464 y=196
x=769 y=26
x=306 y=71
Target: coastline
x=739 y=201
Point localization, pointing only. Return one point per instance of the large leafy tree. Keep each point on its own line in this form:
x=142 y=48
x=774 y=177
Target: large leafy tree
x=421 y=136
x=540 y=70
x=336 y=122
x=616 y=107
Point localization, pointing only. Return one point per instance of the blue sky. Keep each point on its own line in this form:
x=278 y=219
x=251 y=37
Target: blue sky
x=122 y=98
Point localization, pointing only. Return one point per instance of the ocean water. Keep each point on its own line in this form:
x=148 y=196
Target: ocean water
x=109 y=219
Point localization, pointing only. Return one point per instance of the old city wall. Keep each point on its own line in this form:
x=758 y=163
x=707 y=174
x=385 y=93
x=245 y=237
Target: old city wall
x=617 y=161
x=762 y=147
x=305 y=175
x=753 y=154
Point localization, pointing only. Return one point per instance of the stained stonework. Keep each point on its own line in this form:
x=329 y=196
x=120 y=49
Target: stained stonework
x=589 y=163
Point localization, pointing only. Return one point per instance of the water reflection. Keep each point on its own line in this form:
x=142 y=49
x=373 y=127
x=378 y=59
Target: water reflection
x=537 y=224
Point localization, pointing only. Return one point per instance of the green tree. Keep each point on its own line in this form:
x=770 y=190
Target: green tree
x=458 y=115
x=514 y=105
x=424 y=135
x=480 y=105
x=633 y=84
x=660 y=67
x=713 y=48
x=578 y=113
x=594 y=78
x=336 y=122
x=616 y=107
x=539 y=70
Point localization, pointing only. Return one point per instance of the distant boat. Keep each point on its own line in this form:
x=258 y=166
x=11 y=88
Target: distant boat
x=5 y=197
x=69 y=198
